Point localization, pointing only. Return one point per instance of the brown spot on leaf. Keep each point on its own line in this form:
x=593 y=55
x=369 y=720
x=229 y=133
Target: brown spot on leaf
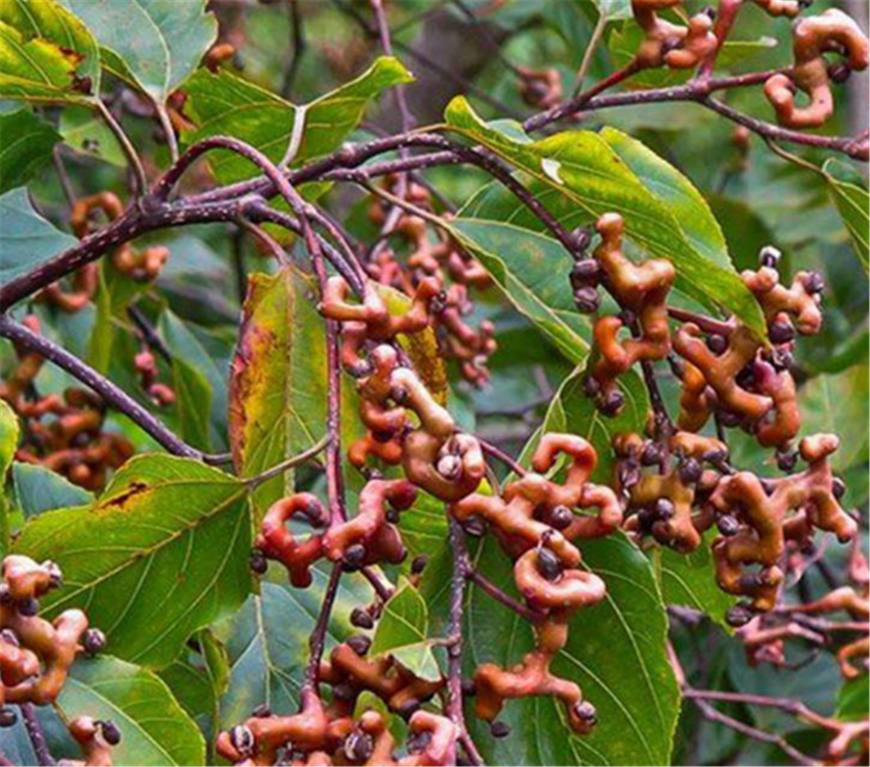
x=120 y=500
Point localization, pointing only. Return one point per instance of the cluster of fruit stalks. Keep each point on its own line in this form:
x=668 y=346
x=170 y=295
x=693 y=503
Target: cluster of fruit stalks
x=36 y=654
x=671 y=484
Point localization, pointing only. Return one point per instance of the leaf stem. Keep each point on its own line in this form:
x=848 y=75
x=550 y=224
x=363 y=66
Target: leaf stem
x=126 y=145
x=289 y=463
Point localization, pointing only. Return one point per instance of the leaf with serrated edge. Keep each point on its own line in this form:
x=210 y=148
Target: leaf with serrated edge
x=38 y=489
x=402 y=632
x=26 y=238
x=853 y=203
x=155 y=730
x=267 y=642
x=161 y=553
x=224 y=104
x=278 y=381
x=531 y=270
x=171 y=39
x=689 y=580
x=580 y=169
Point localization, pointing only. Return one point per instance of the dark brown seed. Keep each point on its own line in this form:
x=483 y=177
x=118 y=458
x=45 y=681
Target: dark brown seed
x=786 y=461
x=8 y=717
x=586 y=712
x=716 y=343
x=651 y=454
x=587 y=300
x=548 y=564
x=612 y=403
x=500 y=729
x=358 y=746
x=814 y=283
x=258 y=562
x=781 y=331
x=361 y=618
x=664 y=509
x=727 y=525
x=838 y=488
x=354 y=557
x=242 y=739
x=561 y=517
x=419 y=564
x=739 y=615
x=690 y=471
x=359 y=644
x=769 y=256
x=94 y=641
x=111 y=733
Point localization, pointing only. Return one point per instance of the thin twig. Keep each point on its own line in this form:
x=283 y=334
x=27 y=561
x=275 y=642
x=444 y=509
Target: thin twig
x=317 y=640
x=297 y=39
x=490 y=589
x=461 y=568
x=126 y=145
x=594 y=39
x=112 y=394
x=288 y=463
x=498 y=453
x=36 y=734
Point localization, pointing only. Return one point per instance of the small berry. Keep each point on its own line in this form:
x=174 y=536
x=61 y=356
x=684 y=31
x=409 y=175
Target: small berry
x=449 y=466
x=358 y=746
x=111 y=733
x=716 y=343
x=739 y=615
x=258 y=562
x=728 y=525
x=8 y=717
x=419 y=564
x=561 y=517
x=500 y=729
x=359 y=644
x=94 y=641
x=361 y=618
x=468 y=687
x=838 y=488
x=651 y=454
x=769 y=256
x=586 y=712
x=814 y=282
x=548 y=564
x=474 y=526
x=587 y=300
x=591 y=387
x=781 y=331
x=786 y=460
x=28 y=607
x=664 y=509
x=585 y=274
x=242 y=739
x=690 y=471
x=612 y=403
x=354 y=556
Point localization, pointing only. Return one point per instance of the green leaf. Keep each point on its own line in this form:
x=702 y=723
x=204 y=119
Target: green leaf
x=86 y=133
x=155 y=44
x=26 y=238
x=267 y=642
x=278 y=382
x=46 y=54
x=199 y=679
x=403 y=630
x=10 y=431
x=689 y=580
x=161 y=553
x=580 y=170
x=223 y=104
x=852 y=701
x=839 y=404
x=672 y=188
x=532 y=271
x=615 y=652
x=38 y=489
x=853 y=202
x=155 y=730
x=26 y=147
x=193 y=392
x=613 y=9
